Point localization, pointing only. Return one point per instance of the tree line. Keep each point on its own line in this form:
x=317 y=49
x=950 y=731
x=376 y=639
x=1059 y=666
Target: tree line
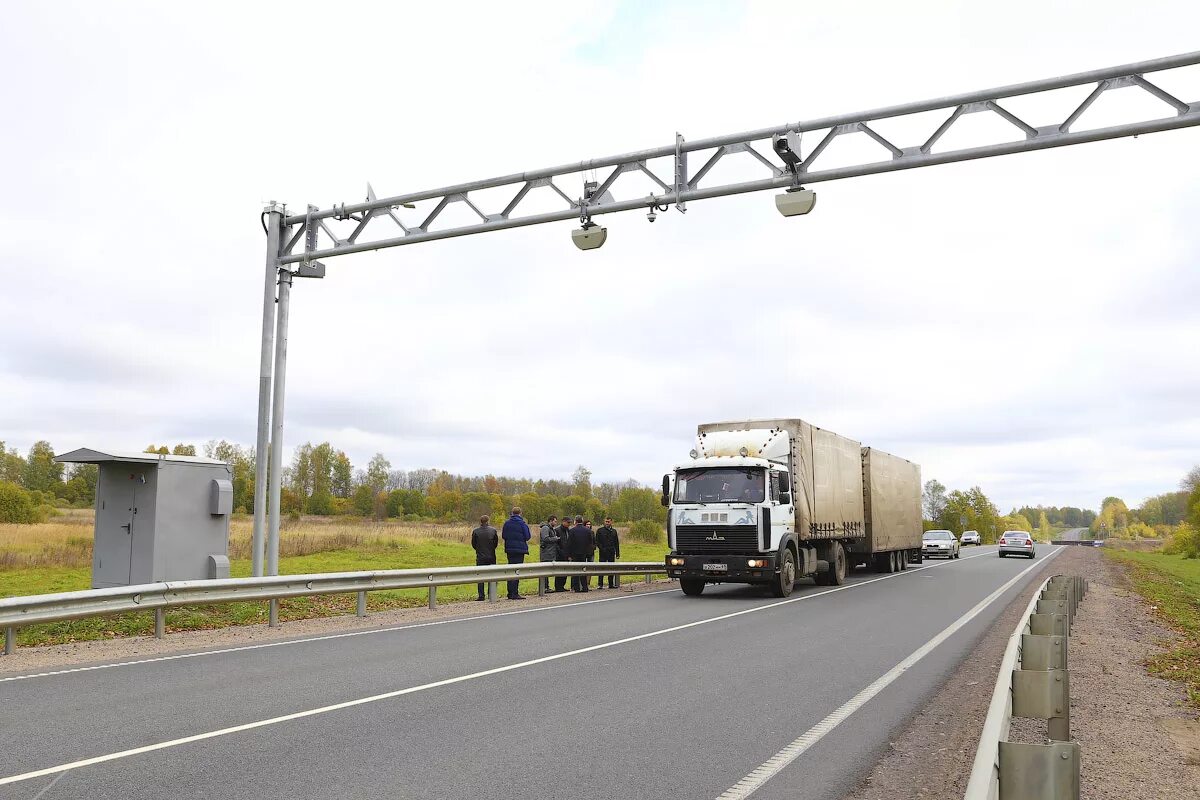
x=322 y=480
x=1172 y=516
x=971 y=510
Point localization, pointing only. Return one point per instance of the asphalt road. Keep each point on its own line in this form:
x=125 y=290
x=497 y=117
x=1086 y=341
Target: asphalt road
x=1073 y=535
x=655 y=695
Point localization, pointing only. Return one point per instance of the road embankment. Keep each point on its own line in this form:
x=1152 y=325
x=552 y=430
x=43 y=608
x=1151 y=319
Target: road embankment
x=1138 y=737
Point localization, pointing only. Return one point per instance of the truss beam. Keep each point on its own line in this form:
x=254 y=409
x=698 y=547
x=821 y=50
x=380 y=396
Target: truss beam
x=380 y=221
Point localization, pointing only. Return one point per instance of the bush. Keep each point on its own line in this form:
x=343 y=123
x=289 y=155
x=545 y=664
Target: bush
x=649 y=531
x=1184 y=542
x=16 y=505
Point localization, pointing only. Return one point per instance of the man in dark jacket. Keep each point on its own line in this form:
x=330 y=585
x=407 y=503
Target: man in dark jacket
x=549 y=543
x=582 y=546
x=516 y=546
x=609 y=545
x=564 y=551
x=484 y=540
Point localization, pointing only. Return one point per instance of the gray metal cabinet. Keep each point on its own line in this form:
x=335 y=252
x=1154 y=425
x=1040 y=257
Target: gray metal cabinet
x=158 y=518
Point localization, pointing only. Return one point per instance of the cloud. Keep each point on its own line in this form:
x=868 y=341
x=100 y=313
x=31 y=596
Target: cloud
x=1023 y=323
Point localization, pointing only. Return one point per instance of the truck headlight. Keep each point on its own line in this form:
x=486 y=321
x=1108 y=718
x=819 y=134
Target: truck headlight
x=675 y=561
x=756 y=562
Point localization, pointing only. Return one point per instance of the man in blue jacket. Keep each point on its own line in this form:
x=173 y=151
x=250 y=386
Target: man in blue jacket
x=516 y=546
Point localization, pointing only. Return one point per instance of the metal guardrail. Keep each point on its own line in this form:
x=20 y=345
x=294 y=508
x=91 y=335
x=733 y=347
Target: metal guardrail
x=18 y=612
x=1033 y=682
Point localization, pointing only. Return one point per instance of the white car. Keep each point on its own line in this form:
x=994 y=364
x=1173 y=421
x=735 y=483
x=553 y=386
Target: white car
x=1016 y=543
x=970 y=537
x=939 y=543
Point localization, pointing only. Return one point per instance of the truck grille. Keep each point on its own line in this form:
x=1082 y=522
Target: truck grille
x=734 y=539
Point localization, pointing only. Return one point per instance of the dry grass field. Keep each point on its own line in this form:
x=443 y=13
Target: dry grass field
x=56 y=556
x=66 y=540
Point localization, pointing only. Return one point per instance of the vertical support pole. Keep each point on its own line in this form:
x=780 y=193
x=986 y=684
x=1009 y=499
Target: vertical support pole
x=274 y=220
x=649 y=578
x=432 y=597
x=491 y=591
x=10 y=640
x=273 y=613
x=1058 y=729
x=160 y=623
x=281 y=332
x=362 y=604
x=542 y=586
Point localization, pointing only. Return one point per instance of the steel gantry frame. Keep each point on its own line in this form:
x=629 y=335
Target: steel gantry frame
x=376 y=224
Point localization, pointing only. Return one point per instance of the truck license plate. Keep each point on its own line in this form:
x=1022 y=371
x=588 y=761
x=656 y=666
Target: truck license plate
x=716 y=567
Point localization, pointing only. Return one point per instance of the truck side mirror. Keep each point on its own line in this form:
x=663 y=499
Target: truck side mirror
x=785 y=499
x=666 y=491
x=785 y=483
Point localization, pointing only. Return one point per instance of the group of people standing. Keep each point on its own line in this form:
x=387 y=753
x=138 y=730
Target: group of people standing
x=572 y=540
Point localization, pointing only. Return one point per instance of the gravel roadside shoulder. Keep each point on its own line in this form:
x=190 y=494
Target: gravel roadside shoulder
x=1134 y=730
x=39 y=659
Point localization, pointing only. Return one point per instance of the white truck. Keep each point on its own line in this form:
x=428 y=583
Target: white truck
x=771 y=501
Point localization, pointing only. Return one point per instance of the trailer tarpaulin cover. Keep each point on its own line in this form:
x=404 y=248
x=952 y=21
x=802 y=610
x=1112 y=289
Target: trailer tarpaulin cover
x=893 y=501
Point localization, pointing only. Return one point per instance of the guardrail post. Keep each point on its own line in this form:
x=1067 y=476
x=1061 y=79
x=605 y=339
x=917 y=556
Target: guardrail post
x=1039 y=771
x=273 y=613
x=10 y=640
x=1048 y=624
x=1052 y=604
x=1043 y=652
x=362 y=604
x=432 y=597
x=1044 y=694
x=649 y=578
x=160 y=623
x=492 y=592
x=542 y=586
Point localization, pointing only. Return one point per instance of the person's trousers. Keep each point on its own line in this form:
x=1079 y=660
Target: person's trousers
x=612 y=579
x=483 y=562
x=514 y=558
x=579 y=583
x=560 y=581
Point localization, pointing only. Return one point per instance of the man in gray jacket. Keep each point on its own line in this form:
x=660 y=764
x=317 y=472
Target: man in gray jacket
x=549 y=546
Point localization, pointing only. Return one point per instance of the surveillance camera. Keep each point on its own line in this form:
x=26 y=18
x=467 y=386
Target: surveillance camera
x=651 y=215
x=787 y=147
x=589 y=237
x=795 y=202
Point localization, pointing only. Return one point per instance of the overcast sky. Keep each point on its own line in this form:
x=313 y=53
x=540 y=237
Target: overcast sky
x=1027 y=323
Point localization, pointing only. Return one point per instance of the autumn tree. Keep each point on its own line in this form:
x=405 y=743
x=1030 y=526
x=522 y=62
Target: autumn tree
x=933 y=500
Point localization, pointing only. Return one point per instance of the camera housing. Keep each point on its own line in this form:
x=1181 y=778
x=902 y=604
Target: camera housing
x=795 y=202
x=589 y=237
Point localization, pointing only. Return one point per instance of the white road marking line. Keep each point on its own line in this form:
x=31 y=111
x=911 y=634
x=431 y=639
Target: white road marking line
x=323 y=638
x=87 y=762
x=776 y=763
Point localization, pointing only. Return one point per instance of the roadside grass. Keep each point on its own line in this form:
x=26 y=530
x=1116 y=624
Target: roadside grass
x=1171 y=583
x=306 y=548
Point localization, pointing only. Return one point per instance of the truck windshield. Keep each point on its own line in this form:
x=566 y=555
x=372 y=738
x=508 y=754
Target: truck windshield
x=719 y=485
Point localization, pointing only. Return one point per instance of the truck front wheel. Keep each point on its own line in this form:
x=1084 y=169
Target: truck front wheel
x=786 y=579
x=692 y=587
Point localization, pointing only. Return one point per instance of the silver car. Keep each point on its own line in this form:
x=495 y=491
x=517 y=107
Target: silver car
x=1016 y=543
x=939 y=543
x=970 y=537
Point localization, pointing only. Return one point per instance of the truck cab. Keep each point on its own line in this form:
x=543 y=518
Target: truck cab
x=730 y=510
